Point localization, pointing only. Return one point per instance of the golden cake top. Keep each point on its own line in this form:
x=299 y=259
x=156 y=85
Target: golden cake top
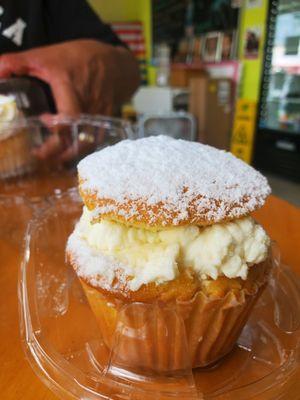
x=159 y=181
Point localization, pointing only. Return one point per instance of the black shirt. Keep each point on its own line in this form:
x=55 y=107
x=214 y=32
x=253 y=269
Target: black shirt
x=25 y=24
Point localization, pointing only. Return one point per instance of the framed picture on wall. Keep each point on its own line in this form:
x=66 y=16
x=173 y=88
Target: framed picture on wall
x=252 y=42
x=212 y=47
x=228 y=51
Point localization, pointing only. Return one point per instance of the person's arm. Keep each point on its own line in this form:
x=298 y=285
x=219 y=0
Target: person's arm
x=85 y=76
x=89 y=71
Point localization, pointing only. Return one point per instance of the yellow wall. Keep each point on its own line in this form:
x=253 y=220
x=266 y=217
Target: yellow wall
x=252 y=69
x=243 y=135
x=117 y=10
x=145 y=15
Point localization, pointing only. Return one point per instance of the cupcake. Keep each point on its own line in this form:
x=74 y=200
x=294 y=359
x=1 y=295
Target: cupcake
x=166 y=250
x=15 y=141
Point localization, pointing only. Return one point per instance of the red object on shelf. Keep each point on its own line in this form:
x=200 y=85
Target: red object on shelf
x=132 y=34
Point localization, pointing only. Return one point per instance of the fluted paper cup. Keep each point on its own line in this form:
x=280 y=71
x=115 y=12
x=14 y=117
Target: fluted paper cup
x=158 y=336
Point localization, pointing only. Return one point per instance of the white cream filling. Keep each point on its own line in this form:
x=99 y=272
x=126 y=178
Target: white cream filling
x=8 y=109
x=154 y=256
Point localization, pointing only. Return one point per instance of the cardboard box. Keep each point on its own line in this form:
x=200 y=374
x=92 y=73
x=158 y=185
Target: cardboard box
x=211 y=102
x=181 y=75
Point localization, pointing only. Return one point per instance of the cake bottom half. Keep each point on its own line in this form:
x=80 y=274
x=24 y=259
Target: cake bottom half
x=176 y=335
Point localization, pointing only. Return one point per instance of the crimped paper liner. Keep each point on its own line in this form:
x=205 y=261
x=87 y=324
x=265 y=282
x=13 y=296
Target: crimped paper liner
x=15 y=155
x=214 y=325
x=152 y=336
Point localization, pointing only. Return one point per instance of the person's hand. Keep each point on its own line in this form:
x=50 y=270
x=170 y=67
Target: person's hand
x=86 y=76
x=60 y=146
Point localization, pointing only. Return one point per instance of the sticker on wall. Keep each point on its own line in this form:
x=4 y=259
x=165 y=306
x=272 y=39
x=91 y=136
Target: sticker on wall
x=242 y=139
x=252 y=42
x=212 y=47
x=254 y=3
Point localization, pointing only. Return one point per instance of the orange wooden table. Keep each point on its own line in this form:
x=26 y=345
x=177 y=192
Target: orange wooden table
x=17 y=380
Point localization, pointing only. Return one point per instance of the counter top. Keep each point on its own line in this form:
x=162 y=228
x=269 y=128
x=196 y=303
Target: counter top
x=17 y=380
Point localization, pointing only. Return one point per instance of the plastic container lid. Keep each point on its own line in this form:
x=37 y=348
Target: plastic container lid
x=24 y=171
x=65 y=348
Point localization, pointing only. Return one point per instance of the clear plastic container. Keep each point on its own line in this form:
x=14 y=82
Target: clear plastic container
x=38 y=155
x=65 y=348
x=180 y=125
x=15 y=212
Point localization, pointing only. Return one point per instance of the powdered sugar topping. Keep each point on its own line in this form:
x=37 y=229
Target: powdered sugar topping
x=175 y=173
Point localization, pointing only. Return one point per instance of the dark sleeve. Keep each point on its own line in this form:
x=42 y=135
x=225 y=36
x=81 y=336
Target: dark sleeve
x=75 y=19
